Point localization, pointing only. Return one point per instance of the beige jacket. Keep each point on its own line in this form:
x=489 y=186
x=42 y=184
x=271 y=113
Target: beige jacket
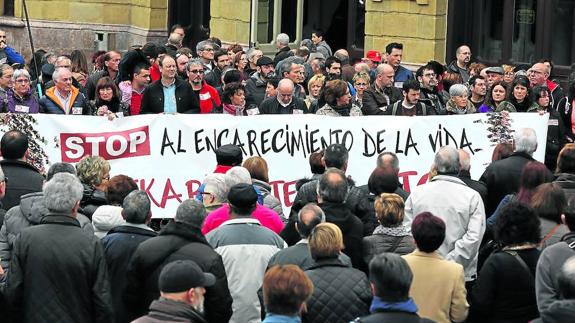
x=438 y=287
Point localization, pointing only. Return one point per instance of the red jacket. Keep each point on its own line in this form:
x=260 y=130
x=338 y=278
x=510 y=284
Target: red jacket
x=209 y=99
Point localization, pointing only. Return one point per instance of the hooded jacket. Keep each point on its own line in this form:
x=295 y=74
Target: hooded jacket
x=105 y=218
x=28 y=213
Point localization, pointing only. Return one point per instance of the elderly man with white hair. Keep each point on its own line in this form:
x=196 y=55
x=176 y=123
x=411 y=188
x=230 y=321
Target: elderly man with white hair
x=56 y=266
x=459 y=206
x=284 y=51
x=266 y=216
x=502 y=176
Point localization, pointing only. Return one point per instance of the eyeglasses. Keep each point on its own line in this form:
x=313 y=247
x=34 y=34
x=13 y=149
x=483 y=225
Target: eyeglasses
x=22 y=81
x=208 y=50
x=197 y=71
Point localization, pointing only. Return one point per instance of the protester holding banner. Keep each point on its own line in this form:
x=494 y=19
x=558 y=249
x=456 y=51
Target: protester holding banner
x=107 y=102
x=338 y=101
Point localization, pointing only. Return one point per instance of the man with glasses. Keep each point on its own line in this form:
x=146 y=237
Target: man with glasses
x=538 y=74
x=284 y=102
x=205 y=50
x=430 y=95
x=460 y=64
x=253 y=55
x=64 y=98
x=256 y=85
x=207 y=95
x=7 y=54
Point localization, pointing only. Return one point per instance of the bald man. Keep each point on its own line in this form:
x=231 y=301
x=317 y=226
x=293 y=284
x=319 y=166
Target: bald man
x=460 y=64
x=539 y=75
x=283 y=103
x=381 y=93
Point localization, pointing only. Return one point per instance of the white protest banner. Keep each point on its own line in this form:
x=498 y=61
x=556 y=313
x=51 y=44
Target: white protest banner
x=169 y=155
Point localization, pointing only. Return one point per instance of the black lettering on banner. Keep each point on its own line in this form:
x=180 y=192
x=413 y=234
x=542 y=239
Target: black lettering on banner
x=376 y=144
x=252 y=136
x=347 y=136
x=238 y=142
x=198 y=141
x=297 y=143
x=313 y=141
x=280 y=134
x=224 y=133
x=263 y=141
x=465 y=143
x=180 y=149
x=166 y=143
x=409 y=143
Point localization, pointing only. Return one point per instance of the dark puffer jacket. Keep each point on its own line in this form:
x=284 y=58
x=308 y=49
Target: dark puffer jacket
x=340 y=293
x=177 y=241
x=380 y=243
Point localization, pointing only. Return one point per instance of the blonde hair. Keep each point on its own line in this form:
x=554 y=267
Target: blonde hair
x=91 y=170
x=507 y=68
x=314 y=79
x=389 y=209
x=325 y=241
x=361 y=75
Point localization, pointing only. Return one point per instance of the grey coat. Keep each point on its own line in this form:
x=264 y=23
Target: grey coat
x=30 y=212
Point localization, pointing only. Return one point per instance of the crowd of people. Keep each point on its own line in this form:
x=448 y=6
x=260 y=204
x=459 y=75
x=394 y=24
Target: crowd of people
x=79 y=245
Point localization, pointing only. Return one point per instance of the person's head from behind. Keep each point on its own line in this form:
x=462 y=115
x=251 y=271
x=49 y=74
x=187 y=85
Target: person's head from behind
x=242 y=199
x=184 y=281
x=464 y=160
x=525 y=140
x=390 y=277
x=383 y=180
x=136 y=207
x=336 y=155
x=568 y=216
x=389 y=210
x=229 y=155
x=308 y=218
x=549 y=202
x=502 y=151
x=533 y=174
x=60 y=168
x=325 y=241
x=388 y=158
x=258 y=168
x=93 y=171
x=62 y=194
x=14 y=145
x=191 y=212
x=237 y=175
x=118 y=188
x=446 y=161
x=517 y=224
x=428 y=232
x=566 y=159
x=315 y=162
x=215 y=190
x=286 y=288
x=332 y=186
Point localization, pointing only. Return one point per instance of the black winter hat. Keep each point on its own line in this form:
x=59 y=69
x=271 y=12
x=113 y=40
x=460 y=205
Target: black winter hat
x=229 y=155
x=242 y=195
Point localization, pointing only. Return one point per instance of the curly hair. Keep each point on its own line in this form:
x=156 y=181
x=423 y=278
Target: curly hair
x=91 y=170
x=517 y=224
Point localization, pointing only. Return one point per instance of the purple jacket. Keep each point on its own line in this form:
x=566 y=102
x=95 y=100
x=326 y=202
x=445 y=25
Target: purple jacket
x=29 y=104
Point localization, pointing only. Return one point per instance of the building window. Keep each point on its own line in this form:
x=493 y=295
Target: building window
x=8 y=9
x=562 y=44
x=272 y=17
